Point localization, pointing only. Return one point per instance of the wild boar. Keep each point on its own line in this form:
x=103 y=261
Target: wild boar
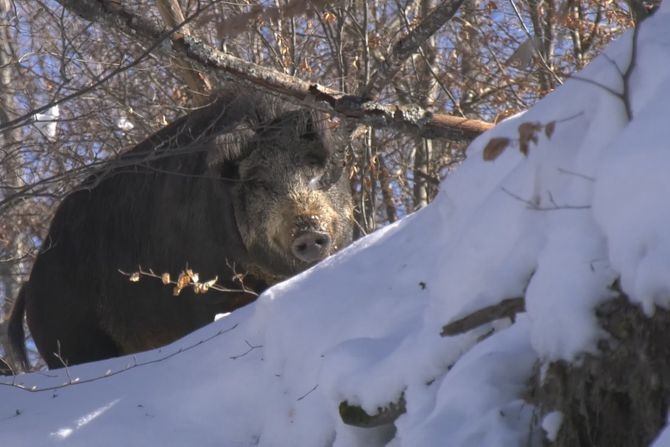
x=247 y=189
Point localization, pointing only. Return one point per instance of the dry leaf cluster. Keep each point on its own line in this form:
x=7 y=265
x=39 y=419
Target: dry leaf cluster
x=186 y=278
x=528 y=133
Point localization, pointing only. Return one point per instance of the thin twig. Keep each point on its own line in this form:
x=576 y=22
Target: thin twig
x=114 y=373
x=532 y=205
x=624 y=95
x=308 y=392
x=214 y=286
x=576 y=174
x=629 y=71
x=251 y=348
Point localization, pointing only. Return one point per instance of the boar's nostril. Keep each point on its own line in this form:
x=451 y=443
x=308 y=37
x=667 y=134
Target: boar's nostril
x=311 y=246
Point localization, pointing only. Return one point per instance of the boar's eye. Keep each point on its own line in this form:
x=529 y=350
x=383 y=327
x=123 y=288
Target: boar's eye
x=257 y=182
x=309 y=135
x=314 y=160
x=229 y=170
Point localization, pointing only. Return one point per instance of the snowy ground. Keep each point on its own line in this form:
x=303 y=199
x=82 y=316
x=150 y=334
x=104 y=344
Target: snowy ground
x=586 y=205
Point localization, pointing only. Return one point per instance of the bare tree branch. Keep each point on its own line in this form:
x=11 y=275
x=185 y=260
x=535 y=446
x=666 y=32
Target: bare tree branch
x=410 y=44
x=135 y=364
x=405 y=118
x=410 y=118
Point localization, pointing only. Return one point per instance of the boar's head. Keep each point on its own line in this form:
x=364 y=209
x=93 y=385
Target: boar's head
x=291 y=195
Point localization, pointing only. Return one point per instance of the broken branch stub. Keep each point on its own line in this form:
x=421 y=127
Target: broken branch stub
x=507 y=308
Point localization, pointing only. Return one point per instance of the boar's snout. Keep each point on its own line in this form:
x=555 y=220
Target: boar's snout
x=311 y=246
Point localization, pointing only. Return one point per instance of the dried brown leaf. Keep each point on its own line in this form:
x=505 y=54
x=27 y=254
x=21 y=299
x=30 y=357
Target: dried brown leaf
x=528 y=131
x=549 y=129
x=523 y=147
x=329 y=17
x=495 y=147
x=527 y=134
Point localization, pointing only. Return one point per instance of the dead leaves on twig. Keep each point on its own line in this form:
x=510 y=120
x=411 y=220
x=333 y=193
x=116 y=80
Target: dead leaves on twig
x=186 y=278
x=528 y=133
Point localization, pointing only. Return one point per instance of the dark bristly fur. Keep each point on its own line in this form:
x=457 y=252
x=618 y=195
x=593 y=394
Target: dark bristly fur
x=224 y=190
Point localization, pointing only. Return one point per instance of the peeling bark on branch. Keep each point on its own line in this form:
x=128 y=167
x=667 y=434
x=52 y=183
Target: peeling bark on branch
x=405 y=118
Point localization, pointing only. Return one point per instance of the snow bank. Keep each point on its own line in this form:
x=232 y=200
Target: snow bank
x=558 y=226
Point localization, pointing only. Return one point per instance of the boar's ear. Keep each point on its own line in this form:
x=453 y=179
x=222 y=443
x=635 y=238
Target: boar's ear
x=230 y=146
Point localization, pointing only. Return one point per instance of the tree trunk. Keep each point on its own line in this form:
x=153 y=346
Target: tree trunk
x=618 y=396
x=427 y=93
x=12 y=251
